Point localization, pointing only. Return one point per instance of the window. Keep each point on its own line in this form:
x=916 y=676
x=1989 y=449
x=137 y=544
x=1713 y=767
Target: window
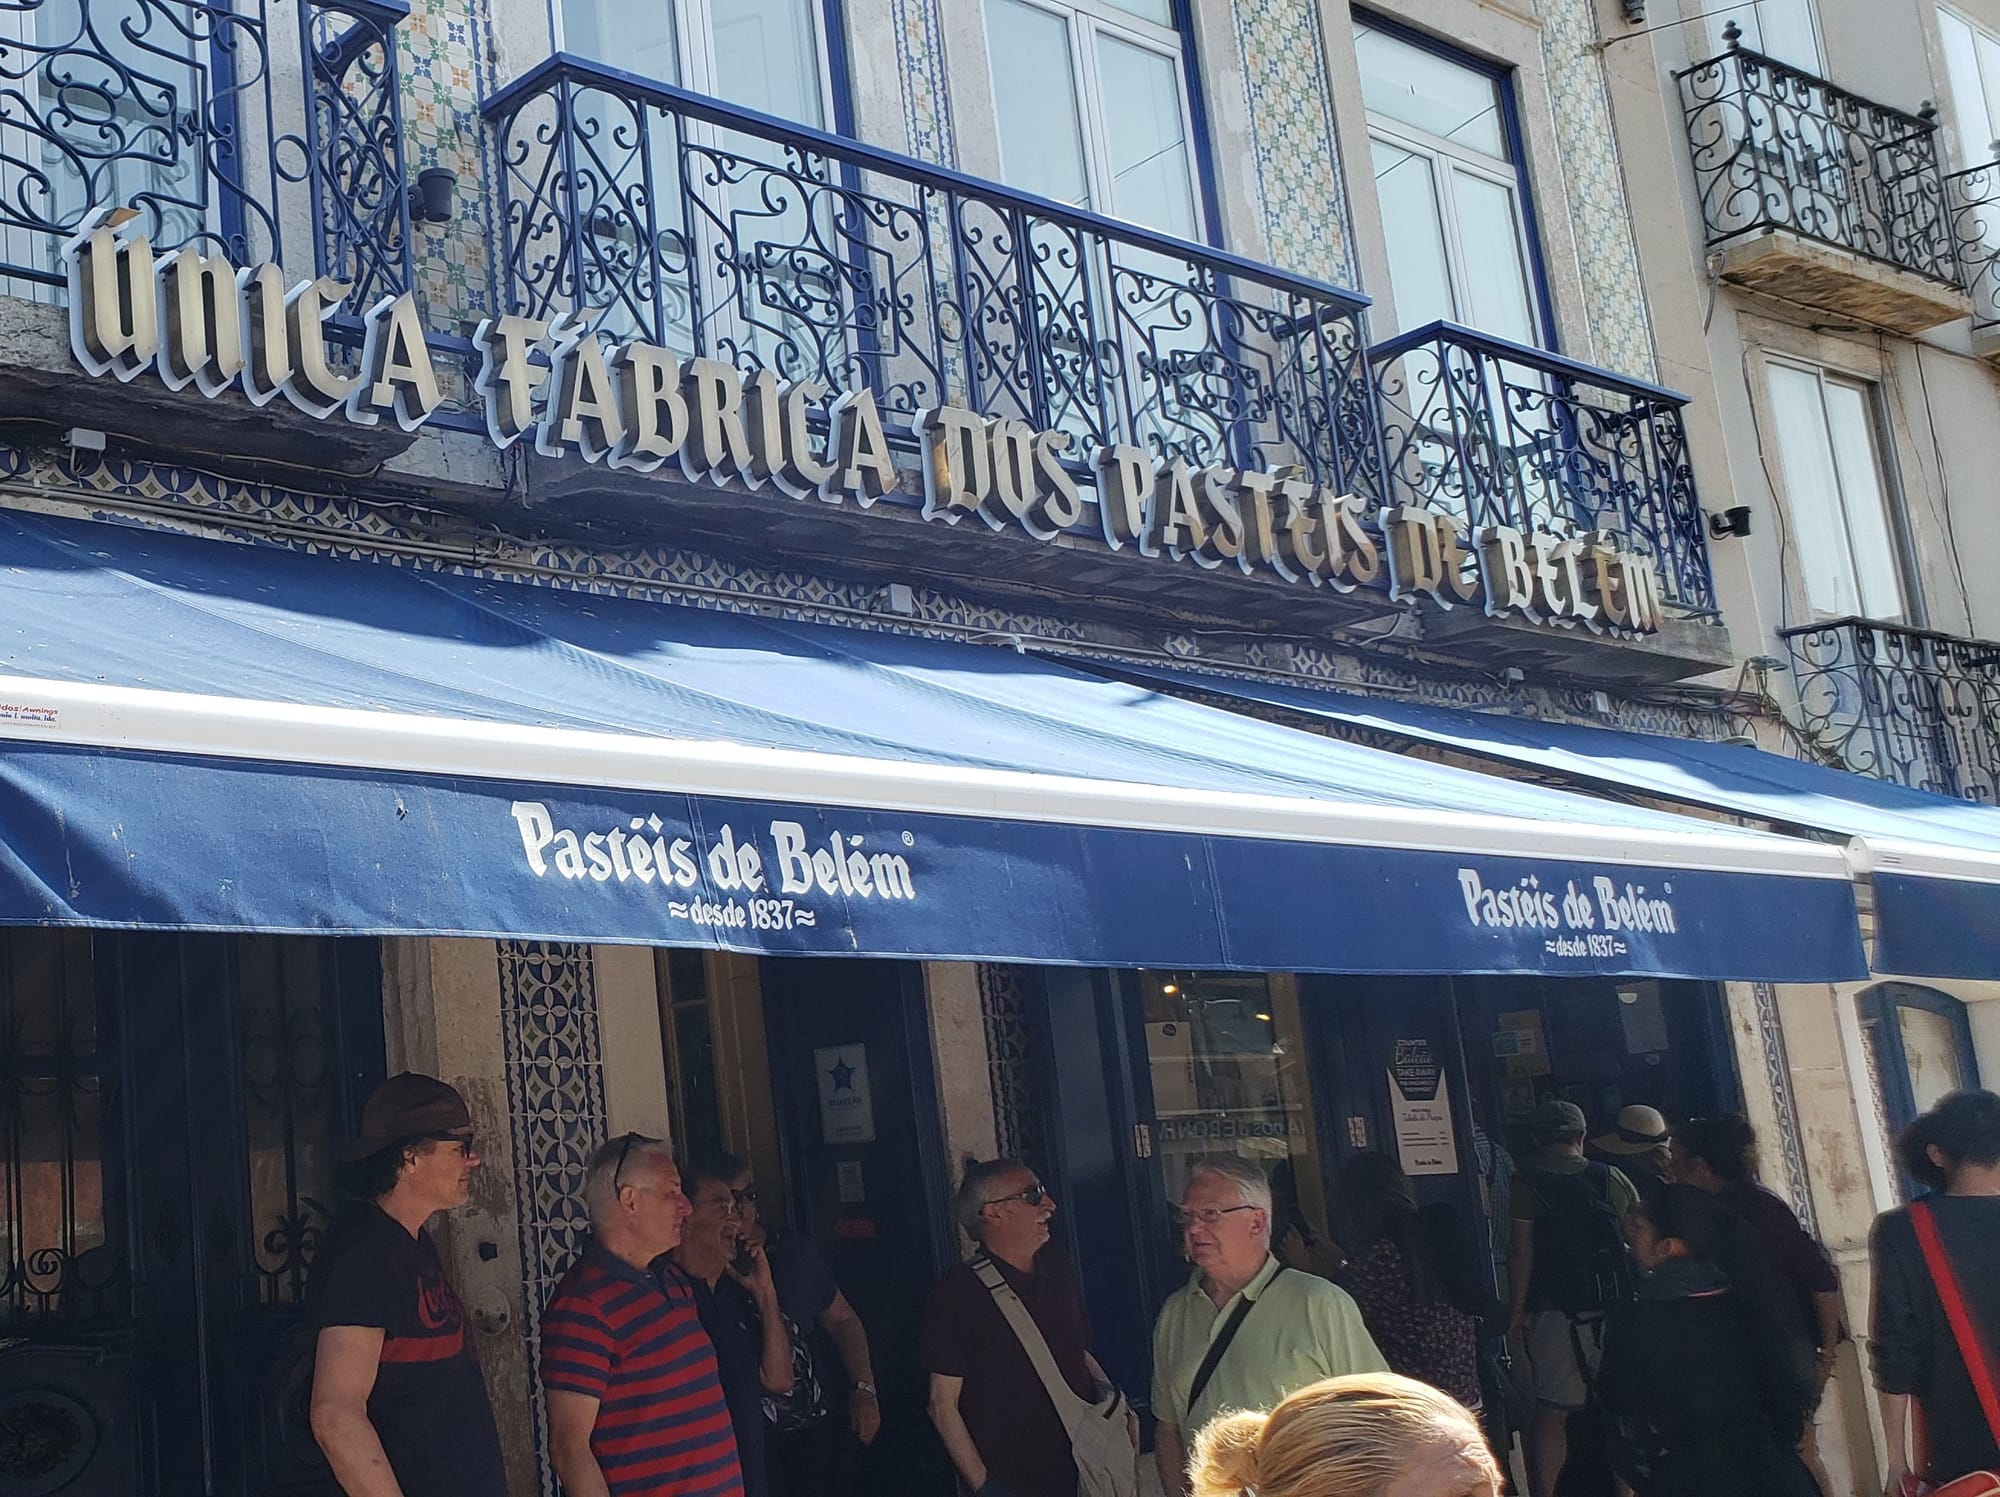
x=1092 y=109
x=1450 y=192
x=1784 y=29
x=767 y=55
x=1972 y=61
x=1836 y=492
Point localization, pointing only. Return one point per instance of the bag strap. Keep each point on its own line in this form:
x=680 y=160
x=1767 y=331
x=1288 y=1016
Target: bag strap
x=1223 y=1337
x=1962 y=1329
x=1069 y=1407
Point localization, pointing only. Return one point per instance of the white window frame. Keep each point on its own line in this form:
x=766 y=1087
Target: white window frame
x=1446 y=157
x=1972 y=153
x=1909 y=609
x=1719 y=15
x=694 y=32
x=1087 y=20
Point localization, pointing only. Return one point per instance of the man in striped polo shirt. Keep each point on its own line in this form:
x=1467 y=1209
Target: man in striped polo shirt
x=634 y=1400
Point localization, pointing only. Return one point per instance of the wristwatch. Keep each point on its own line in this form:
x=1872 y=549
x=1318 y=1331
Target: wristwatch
x=869 y=1389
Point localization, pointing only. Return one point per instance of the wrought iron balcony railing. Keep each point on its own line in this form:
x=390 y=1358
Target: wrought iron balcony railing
x=1503 y=434
x=1777 y=148
x=1974 y=196
x=1909 y=705
x=173 y=108
x=719 y=231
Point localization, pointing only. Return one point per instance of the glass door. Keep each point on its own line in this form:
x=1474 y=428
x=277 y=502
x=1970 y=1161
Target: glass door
x=1920 y=1046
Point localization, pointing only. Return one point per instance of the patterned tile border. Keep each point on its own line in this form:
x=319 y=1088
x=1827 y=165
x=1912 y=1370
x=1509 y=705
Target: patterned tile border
x=1778 y=1072
x=555 y=1109
x=1293 y=140
x=920 y=58
x=1017 y=1110
x=1607 y=256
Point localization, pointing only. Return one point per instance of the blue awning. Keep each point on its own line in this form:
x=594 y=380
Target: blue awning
x=226 y=736
x=1934 y=861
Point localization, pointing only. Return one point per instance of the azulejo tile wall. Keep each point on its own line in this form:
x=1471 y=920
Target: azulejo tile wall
x=445 y=75
x=1292 y=140
x=555 y=1107
x=1608 y=258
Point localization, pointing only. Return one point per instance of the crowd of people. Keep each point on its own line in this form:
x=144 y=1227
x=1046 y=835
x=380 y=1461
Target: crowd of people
x=1672 y=1327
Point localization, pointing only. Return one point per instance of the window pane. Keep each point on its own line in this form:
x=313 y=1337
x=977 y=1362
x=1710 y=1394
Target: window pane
x=767 y=57
x=1812 y=491
x=1433 y=93
x=1968 y=95
x=638 y=38
x=1867 y=505
x=1159 y=12
x=1408 y=195
x=1778 y=28
x=1498 y=300
x=1144 y=132
x=1034 y=95
x=1229 y=1077
x=1980 y=147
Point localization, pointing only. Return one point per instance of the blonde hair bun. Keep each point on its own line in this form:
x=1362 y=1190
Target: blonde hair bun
x=1225 y=1455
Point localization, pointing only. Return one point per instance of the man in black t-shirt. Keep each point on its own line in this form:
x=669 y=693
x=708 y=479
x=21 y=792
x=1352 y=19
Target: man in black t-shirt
x=398 y=1403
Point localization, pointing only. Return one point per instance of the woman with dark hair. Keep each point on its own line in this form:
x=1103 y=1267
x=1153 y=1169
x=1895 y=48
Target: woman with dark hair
x=1953 y=1152
x=1703 y=1394
x=1413 y=1275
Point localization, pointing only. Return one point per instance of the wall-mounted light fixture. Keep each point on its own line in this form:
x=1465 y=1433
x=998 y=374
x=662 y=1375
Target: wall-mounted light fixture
x=1734 y=521
x=435 y=195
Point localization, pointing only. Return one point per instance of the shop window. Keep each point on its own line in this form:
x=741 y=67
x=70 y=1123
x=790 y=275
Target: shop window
x=1836 y=492
x=1972 y=63
x=1451 y=191
x=1921 y=1044
x=1785 y=29
x=1092 y=108
x=58 y=1258
x=1229 y=1076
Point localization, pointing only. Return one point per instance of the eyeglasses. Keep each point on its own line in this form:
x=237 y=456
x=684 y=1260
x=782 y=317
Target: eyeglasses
x=1034 y=1195
x=747 y=1196
x=1208 y=1216
x=624 y=1152
x=467 y=1146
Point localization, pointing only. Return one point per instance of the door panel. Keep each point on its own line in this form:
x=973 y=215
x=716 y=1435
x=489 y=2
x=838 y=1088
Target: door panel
x=872 y=1204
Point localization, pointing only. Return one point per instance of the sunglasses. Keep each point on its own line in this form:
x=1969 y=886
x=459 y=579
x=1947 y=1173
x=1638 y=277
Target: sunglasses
x=747 y=1196
x=467 y=1144
x=1034 y=1195
x=624 y=1152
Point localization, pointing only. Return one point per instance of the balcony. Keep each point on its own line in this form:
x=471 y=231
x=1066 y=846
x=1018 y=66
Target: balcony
x=1909 y=705
x=1498 y=433
x=223 y=134
x=1974 y=195
x=1817 y=197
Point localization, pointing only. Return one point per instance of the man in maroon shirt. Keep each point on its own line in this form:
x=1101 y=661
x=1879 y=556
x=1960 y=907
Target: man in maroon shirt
x=1002 y=1431
x=635 y=1405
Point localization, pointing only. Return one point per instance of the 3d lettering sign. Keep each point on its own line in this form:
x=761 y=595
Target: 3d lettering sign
x=198 y=321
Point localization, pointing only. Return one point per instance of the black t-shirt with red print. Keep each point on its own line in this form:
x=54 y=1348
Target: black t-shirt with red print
x=429 y=1405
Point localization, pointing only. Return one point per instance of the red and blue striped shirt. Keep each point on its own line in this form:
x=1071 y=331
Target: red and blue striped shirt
x=633 y=1342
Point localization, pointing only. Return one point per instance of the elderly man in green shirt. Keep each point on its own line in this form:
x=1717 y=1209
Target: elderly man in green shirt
x=1284 y=1329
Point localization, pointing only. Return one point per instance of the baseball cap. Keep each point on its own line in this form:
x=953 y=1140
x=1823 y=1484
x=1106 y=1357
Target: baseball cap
x=407 y=1106
x=1556 y=1118
x=1640 y=1129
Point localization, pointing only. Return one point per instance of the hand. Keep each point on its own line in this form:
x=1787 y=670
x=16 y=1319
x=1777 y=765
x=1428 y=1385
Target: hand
x=1824 y=1366
x=758 y=1281
x=993 y=1486
x=864 y=1414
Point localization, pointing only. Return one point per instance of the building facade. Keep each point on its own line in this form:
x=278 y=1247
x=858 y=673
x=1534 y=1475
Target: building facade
x=559 y=380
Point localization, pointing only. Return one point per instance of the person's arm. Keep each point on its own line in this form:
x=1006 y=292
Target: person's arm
x=951 y=1429
x=774 y=1362
x=572 y=1416
x=1829 y=1312
x=850 y=1339
x=1897 y=1409
x=1170 y=1456
x=345 y=1361
x=1520 y=1267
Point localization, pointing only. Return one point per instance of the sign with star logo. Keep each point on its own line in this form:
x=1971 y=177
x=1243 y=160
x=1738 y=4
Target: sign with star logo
x=846 y=1106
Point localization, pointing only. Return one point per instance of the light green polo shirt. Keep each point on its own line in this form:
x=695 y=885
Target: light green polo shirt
x=1299 y=1330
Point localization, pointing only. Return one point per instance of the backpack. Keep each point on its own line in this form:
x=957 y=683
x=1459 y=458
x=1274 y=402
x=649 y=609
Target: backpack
x=1581 y=1263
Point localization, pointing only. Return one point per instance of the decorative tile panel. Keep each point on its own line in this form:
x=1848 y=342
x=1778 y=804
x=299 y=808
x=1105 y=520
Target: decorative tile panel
x=926 y=100
x=444 y=70
x=1614 y=296
x=555 y=1109
x=1292 y=138
x=1017 y=1103
x=1778 y=1072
